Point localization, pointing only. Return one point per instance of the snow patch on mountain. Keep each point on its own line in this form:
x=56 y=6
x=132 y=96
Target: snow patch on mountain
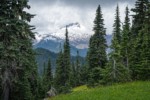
x=78 y=35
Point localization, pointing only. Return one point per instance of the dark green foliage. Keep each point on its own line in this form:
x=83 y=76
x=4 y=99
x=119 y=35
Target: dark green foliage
x=49 y=76
x=24 y=88
x=125 y=43
x=73 y=75
x=41 y=88
x=45 y=81
x=138 y=17
x=141 y=69
x=58 y=80
x=84 y=74
x=145 y=55
x=63 y=69
x=18 y=67
x=117 y=27
x=78 y=70
x=42 y=56
x=138 y=38
x=66 y=60
x=96 y=56
x=115 y=70
x=126 y=38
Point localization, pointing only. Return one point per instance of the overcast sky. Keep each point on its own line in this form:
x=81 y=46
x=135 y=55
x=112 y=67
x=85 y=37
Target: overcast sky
x=53 y=14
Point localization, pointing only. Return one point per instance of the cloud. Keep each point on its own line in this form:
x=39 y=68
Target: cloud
x=81 y=3
x=53 y=14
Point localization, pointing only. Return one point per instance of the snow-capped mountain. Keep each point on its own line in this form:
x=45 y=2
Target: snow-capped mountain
x=78 y=38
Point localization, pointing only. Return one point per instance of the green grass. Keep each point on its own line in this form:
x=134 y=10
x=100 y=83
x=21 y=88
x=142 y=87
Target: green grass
x=80 y=88
x=127 y=91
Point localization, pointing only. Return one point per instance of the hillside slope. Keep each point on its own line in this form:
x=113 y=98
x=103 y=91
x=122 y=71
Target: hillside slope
x=128 y=91
x=43 y=56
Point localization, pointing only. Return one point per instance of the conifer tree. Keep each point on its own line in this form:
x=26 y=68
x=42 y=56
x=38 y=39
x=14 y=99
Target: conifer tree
x=142 y=69
x=125 y=43
x=59 y=77
x=63 y=69
x=18 y=67
x=44 y=69
x=42 y=82
x=138 y=17
x=73 y=75
x=46 y=81
x=84 y=74
x=96 y=56
x=49 y=76
x=78 y=70
x=67 y=65
x=138 y=23
x=117 y=27
x=41 y=88
x=115 y=70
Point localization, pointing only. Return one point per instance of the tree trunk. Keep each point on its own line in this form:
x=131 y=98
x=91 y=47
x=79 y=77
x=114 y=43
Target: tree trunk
x=6 y=84
x=6 y=93
x=114 y=69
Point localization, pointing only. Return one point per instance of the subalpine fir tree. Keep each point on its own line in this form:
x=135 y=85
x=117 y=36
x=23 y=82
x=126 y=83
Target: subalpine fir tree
x=44 y=69
x=42 y=82
x=41 y=88
x=63 y=69
x=138 y=23
x=59 y=76
x=16 y=54
x=24 y=88
x=78 y=70
x=49 y=76
x=96 y=56
x=117 y=28
x=67 y=65
x=142 y=68
x=115 y=70
x=5 y=56
x=84 y=74
x=73 y=75
x=138 y=17
x=125 y=42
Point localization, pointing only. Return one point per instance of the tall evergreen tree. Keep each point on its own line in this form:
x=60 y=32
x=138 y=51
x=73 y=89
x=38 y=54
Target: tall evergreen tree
x=115 y=71
x=84 y=74
x=78 y=70
x=125 y=43
x=41 y=88
x=18 y=67
x=63 y=69
x=96 y=56
x=73 y=75
x=138 y=17
x=138 y=22
x=59 y=73
x=142 y=68
x=67 y=65
x=117 y=26
x=46 y=79
x=49 y=76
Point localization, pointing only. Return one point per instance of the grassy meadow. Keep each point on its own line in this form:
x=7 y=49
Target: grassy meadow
x=126 y=91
